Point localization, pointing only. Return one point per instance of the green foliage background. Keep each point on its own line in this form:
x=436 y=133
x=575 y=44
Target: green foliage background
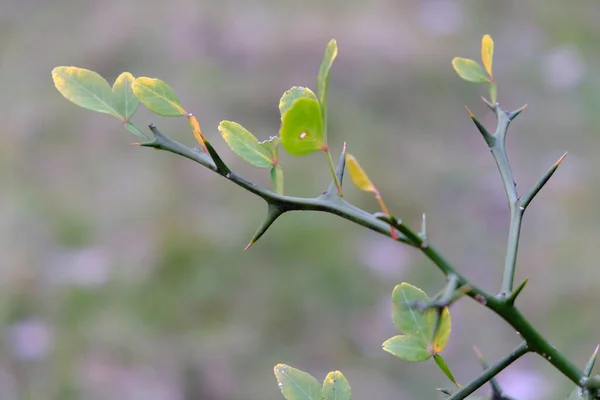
x=122 y=273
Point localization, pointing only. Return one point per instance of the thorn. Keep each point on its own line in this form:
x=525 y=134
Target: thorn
x=560 y=160
x=490 y=105
x=496 y=389
x=513 y=296
x=423 y=232
x=273 y=212
x=470 y=112
x=221 y=167
x=540 y=184
x=513 y=114
x=489 y=138
x=590 y=364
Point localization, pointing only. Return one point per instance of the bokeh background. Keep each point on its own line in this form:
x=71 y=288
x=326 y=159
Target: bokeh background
x=122 y=273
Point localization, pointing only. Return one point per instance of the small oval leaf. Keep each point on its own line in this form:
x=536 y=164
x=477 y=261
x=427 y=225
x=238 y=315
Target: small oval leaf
x=290 y=96
x=296 y=384
x=358 y=175
x=487 y=53
x=302 y=128
x=408 y=319
x=245 y=144
x=469 y=70
x=336 y=387
x=124 y=100
x=85 y=88
x=443 y=331
x=158 y=97
x=407 y=348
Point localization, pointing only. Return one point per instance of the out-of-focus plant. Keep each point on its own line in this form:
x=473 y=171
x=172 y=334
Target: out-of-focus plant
x=423 y=322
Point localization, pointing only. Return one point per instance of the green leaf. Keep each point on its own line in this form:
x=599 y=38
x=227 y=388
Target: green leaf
x=296 y=384
x=336 y=387
x=409 y=320
x=85 y=88
x=469 y=70
x=302 y=128
x=277 y=178
x=133 y=128
x=124 y=100
x=158 y=97
x=245 y=144
x=331 y=52
x=443 y=331
x=407 y=348
x=290 y=96
x=272 y=147
x=441 y=363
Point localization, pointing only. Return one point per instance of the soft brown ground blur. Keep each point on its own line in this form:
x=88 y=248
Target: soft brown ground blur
x=122 y=274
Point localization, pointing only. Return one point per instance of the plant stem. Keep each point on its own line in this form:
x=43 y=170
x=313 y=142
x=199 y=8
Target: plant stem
x=490 y=372
x=338 y=206
x=332 y=169
x=516 y=214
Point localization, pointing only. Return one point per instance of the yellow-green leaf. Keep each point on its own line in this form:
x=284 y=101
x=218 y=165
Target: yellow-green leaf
x=469 y=70
x=336 y=387
x=331 y=52
x=290 y=96
x=443 y=331
x=358 y=175
x=245 y=144
x=407 y=348
x=487 y=53
x=85 y=88
x=158 y=97
x=124 y=100
x=296 y=384
x=302 y=127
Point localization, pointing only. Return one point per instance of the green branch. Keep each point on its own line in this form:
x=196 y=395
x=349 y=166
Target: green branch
x=333 y=204
x=490 y=372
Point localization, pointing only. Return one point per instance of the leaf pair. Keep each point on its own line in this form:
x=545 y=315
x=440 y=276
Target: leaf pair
x=299 y=385
x=304 y=114
x=471 y=71
x=89 y=90
x=423 y=335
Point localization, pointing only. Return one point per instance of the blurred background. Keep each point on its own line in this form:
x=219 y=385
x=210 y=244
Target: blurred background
x=122 y=273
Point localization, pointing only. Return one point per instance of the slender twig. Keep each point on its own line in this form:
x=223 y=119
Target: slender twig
x=381 y=223
x=490 y=372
